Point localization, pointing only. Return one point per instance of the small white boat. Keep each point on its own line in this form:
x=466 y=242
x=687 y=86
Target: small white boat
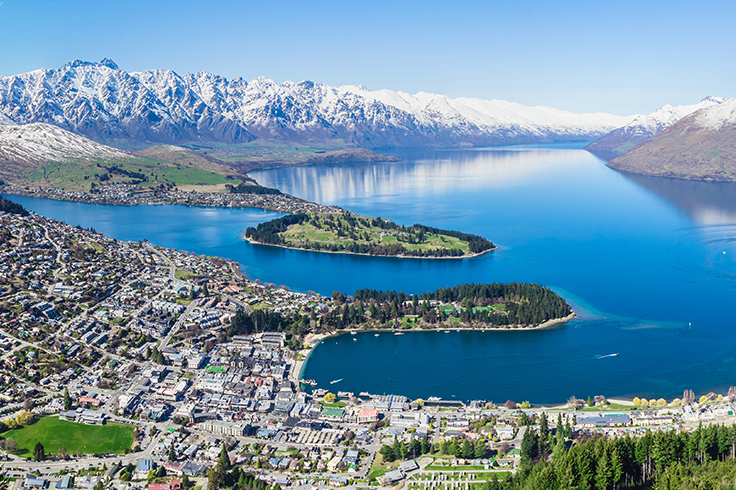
x=355 y=340
x=336 y=381
x=398 y=333
x=353 y=332
x=376 y=335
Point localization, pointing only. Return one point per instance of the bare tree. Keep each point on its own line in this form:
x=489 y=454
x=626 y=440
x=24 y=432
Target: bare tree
x=732 y=393
x=510 y=404
x=573 y=402
x=10 y=445
x=504 y=448
x=688 y=397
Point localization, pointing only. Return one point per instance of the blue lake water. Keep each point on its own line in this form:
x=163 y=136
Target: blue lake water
x=649 y=264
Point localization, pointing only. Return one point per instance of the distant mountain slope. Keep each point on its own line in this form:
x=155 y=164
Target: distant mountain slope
x=40 y=143
x=642 y=128
x=186 y=157
x=110 y=105
x=46 y=156
x=701 y=146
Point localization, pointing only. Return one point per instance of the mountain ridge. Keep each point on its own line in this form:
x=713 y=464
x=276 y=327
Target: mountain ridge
x=109 y=105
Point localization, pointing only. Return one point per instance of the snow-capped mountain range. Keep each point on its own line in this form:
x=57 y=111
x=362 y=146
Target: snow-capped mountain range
x=642 y=128
x=110 y=105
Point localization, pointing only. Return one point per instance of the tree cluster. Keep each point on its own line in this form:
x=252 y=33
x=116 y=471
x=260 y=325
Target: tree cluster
x=401 y=450
x=258 y=321
x=658 y=460
x=8 y=206
x=268 y=232
x=243 y=188
x=525 y=304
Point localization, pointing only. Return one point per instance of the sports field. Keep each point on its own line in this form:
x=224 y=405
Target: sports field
x=54 y=434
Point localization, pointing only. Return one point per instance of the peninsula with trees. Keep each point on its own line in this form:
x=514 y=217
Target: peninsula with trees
x=467 y=306
x=345 y=232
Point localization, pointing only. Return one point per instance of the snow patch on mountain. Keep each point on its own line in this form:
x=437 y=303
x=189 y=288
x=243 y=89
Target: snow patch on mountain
x=668 y=115
x=715 y=117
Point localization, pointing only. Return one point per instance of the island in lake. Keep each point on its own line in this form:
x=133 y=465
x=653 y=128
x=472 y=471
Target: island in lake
x=345 y=232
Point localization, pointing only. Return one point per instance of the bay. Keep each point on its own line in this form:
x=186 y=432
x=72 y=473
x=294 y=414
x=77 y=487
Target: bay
x=647 y=263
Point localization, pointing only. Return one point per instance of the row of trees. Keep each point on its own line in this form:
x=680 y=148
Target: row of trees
x=401 y=450
x=389 y=250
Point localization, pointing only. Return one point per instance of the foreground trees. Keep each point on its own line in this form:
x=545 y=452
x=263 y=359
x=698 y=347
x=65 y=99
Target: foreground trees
x=658 y=461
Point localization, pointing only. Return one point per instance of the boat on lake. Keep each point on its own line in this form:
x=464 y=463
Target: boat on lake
x=398 y=333
x=353 y=332
x=336 y=381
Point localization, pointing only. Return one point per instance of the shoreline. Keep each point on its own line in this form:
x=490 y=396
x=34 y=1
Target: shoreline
x=104 y=202
x=471 y=256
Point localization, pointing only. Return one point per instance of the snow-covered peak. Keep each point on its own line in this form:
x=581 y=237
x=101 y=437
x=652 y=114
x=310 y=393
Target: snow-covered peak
x=668 y=115
x=714 y=117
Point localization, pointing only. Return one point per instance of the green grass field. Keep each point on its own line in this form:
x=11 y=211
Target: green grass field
x=79 y=174
x=54 y=433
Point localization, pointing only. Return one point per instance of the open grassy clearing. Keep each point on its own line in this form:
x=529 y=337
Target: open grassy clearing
x=183 y=274
x=356 y=232
x=54 y=434
x=340 y=232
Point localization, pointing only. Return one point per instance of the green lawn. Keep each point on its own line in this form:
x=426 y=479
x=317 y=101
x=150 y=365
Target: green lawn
x=183 y=274
x=378 y=469
x=54 y=433
x=333 y=405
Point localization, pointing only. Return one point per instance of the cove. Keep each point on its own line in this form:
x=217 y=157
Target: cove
x=641 y=259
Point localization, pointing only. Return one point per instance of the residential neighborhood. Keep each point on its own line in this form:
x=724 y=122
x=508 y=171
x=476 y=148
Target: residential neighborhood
x=157 y=343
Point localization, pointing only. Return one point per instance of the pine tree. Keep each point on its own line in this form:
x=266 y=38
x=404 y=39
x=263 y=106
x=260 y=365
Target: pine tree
x=39 y=454
x=67 y=400
x=529 y=447
x=543 y=431
x=219 y=473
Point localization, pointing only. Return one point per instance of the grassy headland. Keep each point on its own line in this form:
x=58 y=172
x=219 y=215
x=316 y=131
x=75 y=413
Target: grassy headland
x=348 y=233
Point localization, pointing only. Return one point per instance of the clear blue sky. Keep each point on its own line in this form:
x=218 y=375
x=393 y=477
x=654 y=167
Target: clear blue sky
x=622 y=57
